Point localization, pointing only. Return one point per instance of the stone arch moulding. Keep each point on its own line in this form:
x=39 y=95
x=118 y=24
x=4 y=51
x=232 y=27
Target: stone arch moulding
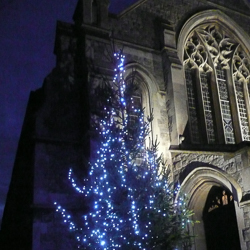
x=197 y=185
x=149 y=84
x=208 y=176
x=212 y=16
x=153 y=98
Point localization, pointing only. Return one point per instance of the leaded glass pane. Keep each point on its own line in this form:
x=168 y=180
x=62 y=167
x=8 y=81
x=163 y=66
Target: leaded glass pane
x=207 y=108
x=193 y=117
x=206 y=45
x=225 y=107
x=242 y=111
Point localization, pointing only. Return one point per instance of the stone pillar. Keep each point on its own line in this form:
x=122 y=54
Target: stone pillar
x=103 y=6
x=83 y=12
x=92 y=12
x=175 y=86
x=241 y=225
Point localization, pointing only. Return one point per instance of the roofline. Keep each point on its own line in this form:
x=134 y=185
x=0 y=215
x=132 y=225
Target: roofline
x=131 y=7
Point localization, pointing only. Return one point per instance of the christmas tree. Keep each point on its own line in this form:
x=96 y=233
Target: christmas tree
x=132 y=204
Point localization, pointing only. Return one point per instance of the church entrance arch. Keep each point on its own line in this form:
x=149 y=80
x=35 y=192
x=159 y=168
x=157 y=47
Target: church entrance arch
x=201 y=184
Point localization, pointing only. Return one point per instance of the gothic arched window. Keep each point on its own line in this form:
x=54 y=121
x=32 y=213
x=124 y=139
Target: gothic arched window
x=134 y=99
x=217 y=72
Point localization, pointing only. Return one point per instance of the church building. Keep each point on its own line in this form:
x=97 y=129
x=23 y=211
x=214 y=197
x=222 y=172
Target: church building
x=191 y=62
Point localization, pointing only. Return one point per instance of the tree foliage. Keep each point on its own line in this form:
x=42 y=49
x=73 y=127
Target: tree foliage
x=132 y=202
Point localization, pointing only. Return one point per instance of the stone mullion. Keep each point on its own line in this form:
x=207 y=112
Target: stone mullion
x=246 y=101
x=201 y=108
x=233 y=92
x=207 y=108
x=217 y=109
x=233 y=102
x=241 y=101
x=246 y=89
x=226 y=111
x=241 y=94
x=224 y=93
x=215 y=96
x=196 y=59
x=206 y=98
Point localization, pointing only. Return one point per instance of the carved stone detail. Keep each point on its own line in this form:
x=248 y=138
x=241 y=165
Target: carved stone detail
x=241 y=65
x=210 y=49
x=241 y=75
x=219 y=45
x=196 y=55
x=231 y=166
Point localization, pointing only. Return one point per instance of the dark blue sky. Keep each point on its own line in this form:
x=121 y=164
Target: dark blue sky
x=27 y=32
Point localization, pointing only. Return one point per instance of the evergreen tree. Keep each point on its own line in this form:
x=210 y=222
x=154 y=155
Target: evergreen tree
x=132 y=204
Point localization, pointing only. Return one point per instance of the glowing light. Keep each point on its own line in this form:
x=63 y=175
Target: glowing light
x=123 y=180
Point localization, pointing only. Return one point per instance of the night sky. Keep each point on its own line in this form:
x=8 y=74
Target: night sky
x=27 y=33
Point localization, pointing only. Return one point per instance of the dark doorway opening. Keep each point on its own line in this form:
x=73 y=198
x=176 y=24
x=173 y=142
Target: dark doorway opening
x=220 y=222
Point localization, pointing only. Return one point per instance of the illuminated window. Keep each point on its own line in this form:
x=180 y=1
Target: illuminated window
x=217 y=72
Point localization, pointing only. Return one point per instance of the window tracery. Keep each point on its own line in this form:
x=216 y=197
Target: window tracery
x=241 y=75
x=217 y=72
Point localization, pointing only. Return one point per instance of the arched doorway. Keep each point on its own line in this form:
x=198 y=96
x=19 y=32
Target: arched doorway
x=200 y=184
x=220 y=224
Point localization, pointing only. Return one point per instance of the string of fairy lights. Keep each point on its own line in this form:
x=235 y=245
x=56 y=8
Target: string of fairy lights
x=116 y=180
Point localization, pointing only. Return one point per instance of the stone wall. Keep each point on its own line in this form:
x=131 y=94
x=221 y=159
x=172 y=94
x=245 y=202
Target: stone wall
x=84 y=56
x=60 y=136
x=143 y=24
